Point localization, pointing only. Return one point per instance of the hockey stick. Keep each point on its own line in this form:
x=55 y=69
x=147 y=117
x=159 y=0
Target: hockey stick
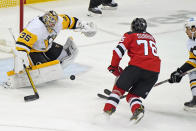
x=31 y=97
x=108 y=92
x=3 y=45
x=102 y=96
x=5 y=48
x=167 y=80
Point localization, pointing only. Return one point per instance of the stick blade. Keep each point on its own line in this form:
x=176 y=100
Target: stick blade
x=102 y=96
x=107 y=91
x=31 y=97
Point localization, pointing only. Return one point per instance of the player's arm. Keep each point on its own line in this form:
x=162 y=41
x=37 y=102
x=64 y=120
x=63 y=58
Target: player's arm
x=25 y=41
x=191 y=63
x=69 y=22
x=87 y=28
x=176 y=76
x=192 y=58
x=24 y=44
x=118 y=53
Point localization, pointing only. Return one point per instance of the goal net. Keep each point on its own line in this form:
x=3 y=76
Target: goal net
x=11 y=12
x=11 y=22
x=8 y=3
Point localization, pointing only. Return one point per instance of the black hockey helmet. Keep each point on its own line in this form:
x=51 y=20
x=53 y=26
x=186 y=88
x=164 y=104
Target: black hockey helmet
x=139 y=25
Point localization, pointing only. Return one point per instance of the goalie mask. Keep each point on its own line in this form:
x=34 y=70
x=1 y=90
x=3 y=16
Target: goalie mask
x=50 y=19
x=190 y=25
x=139 y=25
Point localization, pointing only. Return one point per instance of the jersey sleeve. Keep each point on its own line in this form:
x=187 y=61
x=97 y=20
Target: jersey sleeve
x=119 y=51
x=68 y=22
x=25 y=41
x=191 y=62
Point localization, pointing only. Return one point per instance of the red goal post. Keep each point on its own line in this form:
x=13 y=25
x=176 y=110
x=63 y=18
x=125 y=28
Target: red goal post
x=13 y=3
x=21 y=15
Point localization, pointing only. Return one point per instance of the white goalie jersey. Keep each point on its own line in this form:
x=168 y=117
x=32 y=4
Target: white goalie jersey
x=36 y=38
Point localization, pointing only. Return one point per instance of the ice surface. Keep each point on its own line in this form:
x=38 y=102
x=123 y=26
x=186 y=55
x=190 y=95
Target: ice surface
x=67 y=105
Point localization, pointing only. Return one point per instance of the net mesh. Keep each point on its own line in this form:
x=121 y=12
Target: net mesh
x=8 y=3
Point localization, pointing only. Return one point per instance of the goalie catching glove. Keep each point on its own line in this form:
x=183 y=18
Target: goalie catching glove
x=20 y=60
x=115 y=70
x=87 y=28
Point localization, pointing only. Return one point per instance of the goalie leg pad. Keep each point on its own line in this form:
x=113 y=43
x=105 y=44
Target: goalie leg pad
x=69 y=53
x=41 y=73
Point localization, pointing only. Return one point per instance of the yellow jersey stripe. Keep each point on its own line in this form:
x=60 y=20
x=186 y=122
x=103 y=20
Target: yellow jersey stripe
x=191 y=63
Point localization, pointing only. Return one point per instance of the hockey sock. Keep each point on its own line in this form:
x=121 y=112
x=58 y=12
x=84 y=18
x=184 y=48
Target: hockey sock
x=113 y=99
x=134 y=101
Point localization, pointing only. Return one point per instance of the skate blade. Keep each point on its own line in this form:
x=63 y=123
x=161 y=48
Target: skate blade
x=190 y=109
x=108 y=8
x=135 y=121
x=91 y=14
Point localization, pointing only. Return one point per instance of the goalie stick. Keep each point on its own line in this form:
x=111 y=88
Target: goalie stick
x=36 y=95
x=108 y=92
x=31 y=97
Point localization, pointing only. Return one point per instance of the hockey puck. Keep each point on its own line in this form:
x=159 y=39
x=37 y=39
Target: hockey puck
x=72 y=77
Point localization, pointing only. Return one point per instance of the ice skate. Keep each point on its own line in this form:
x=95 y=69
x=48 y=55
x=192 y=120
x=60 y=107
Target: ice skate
x=109 y=6
x=137 y=115
x=110 y=112
x=94 y=12
x=105 y=116
x=191 y=105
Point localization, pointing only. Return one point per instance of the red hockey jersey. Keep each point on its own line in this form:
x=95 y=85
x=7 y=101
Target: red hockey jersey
x=142 y=50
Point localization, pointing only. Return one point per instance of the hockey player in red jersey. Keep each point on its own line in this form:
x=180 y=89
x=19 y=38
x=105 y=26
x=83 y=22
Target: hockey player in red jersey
x=176 y=76
x=141 y=73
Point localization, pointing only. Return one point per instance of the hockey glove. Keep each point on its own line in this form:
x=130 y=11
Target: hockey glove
x=115 y=70
x=176 y=76
x=87 y=28
x=20 y=60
